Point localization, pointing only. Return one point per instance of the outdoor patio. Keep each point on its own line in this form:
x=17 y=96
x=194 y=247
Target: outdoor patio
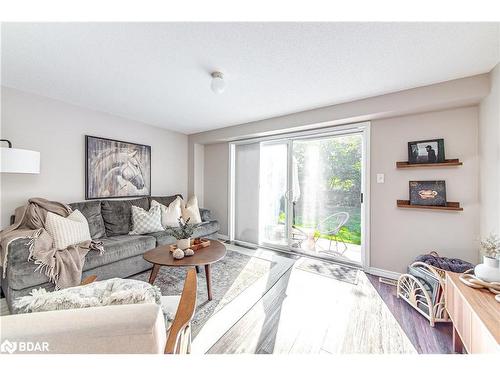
x=346 y=253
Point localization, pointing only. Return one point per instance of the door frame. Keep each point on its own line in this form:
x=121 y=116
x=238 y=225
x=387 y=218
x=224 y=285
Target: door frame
x=361 y=127
x=289 y=218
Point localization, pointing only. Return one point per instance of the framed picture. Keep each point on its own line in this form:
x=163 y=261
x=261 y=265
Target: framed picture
x=428 y=193
x=116 y=169
x=424 y=152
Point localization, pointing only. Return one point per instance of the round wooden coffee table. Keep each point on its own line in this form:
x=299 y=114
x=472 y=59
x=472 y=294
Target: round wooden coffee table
x=162 y=256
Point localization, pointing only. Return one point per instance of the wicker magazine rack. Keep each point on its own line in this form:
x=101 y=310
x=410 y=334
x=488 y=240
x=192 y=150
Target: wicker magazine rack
x=429 y=303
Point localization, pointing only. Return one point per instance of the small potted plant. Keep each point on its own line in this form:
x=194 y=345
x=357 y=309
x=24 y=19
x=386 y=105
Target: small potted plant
x=182 y=233
x=489 y=270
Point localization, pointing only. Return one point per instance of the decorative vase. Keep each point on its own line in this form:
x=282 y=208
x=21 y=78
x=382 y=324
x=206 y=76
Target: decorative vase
x=489 y=270
x=184 y=243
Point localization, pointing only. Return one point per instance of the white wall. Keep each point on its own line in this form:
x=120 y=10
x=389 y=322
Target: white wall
x=399 y=235
x=216 y=164
x=448 y=110
x=489 y=154
x=199 y=170
x=450 y=94
x=57 y=130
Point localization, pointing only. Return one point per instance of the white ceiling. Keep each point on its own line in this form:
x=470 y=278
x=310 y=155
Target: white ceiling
x=159 y=73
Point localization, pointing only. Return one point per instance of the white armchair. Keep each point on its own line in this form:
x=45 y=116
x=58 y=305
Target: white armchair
x=138 y=328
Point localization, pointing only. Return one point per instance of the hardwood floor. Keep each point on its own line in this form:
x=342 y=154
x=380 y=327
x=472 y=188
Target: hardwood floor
x=426 y=339
x=307 y=313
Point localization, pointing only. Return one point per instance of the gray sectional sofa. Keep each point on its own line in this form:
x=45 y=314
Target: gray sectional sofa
x=109 y=222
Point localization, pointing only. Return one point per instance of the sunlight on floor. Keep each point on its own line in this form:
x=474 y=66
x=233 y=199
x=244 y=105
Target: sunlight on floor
x=323 y=315
x=337 y=251
x=264 y=267
x=302 y=325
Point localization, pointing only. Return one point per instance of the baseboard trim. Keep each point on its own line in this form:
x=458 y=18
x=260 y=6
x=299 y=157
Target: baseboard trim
x=222 y=237
x=384 y=273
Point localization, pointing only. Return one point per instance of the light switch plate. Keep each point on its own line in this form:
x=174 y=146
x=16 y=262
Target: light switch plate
x=380 y=178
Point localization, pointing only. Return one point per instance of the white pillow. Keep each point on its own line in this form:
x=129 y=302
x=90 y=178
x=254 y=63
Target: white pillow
x=191 y=210
x=146 y=221
x=67 y=231
x=170 y=214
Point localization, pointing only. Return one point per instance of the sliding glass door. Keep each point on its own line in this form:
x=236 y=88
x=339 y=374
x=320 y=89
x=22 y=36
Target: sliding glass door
x=302 y=193
x=273 y=194
x=326 y=205
x=245 y=220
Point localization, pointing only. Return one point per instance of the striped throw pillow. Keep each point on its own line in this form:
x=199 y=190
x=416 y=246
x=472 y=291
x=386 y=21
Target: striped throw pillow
x=67 y=231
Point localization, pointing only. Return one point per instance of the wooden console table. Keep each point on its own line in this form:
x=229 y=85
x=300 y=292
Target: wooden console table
x=475 y=315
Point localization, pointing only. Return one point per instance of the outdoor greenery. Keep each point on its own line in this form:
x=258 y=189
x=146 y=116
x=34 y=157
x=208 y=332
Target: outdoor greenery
x=351 y=232
x=344 y=168
x=339 y=160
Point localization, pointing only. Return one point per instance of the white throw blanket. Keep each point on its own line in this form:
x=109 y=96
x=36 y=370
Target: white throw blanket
x=100 y=293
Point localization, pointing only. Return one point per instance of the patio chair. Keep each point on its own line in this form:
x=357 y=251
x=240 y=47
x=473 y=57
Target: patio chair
x=331 y=226
x=299 y=236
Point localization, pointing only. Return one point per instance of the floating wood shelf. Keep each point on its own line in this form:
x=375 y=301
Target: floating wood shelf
x=450 y=206
x=446 y=163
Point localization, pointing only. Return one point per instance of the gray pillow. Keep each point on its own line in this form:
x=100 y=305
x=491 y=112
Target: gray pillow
x=92 y=212
x=117 y=214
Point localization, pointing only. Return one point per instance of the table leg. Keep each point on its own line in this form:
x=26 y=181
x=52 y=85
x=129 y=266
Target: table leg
x=154 y=273
x=208 y=274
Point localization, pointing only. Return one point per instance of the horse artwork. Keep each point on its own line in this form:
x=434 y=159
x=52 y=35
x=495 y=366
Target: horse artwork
x=116 y=169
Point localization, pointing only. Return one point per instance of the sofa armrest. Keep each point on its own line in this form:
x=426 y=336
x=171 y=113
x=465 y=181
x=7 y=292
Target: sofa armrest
x=125 y=329
x=18 y=251
x=206 y=214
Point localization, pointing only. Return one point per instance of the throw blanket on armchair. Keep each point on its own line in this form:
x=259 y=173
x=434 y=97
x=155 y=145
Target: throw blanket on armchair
x=99 y=293
x=62 y=267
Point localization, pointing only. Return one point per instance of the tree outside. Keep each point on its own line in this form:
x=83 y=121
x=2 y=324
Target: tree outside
x=329 y=180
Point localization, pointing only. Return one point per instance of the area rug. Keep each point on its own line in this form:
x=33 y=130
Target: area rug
x=334 y=271
x=231 y=276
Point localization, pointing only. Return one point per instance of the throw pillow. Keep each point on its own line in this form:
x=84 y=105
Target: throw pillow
x=191 y=210
x=146 y=221
x=170 y=214
x=67 y=231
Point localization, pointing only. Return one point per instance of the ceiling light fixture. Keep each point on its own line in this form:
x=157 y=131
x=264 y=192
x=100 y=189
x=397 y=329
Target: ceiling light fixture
x=218 y=84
